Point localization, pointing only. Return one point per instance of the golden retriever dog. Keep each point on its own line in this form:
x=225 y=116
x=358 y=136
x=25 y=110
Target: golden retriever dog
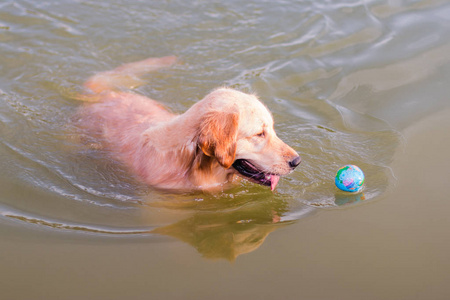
x=227 y=133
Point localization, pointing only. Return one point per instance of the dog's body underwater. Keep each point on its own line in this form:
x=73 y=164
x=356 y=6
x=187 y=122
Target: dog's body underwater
x=227 y=133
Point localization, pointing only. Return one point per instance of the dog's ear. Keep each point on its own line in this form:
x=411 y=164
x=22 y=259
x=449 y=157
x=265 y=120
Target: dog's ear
x=217 y=136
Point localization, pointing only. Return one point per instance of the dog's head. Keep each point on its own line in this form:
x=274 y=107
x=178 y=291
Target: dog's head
x=237 y=130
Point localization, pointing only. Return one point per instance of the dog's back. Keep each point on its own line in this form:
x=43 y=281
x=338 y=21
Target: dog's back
x=118 y=119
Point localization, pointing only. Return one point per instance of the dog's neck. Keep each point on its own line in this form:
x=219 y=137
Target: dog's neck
x=201 y=170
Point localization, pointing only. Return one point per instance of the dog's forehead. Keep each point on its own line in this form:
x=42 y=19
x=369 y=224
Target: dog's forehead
x=254 y=116
x=256 y=110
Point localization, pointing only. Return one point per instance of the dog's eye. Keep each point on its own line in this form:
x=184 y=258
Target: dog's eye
x=261 y=134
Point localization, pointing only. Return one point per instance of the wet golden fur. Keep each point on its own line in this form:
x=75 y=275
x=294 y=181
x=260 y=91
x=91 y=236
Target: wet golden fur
x=191 y=151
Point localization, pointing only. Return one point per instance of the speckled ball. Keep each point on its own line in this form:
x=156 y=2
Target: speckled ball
x=349 y=178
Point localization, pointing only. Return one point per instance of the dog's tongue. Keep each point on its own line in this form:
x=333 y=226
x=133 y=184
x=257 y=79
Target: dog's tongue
x=273 y=181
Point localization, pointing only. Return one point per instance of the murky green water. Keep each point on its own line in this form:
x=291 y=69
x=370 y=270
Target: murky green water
x=344 y=80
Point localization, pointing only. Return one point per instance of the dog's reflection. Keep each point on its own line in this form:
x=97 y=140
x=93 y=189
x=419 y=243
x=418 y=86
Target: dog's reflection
x=229 y=234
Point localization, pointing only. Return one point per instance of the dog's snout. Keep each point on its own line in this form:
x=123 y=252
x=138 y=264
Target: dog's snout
x=295 y=162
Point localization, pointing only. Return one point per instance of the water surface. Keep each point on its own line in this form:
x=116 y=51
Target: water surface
x=345 y=82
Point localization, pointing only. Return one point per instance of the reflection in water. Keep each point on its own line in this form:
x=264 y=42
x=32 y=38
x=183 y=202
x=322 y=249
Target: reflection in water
x=342 y=199
x=224 y=235
x=218 y=229
x=219 y=240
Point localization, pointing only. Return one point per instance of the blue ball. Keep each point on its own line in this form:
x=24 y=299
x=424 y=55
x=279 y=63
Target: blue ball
x=349 y=178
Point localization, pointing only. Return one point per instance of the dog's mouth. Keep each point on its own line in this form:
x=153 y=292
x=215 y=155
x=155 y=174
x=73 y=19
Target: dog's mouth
x=249 y=171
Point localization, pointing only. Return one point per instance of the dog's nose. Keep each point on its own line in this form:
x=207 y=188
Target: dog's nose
x=295 y=162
